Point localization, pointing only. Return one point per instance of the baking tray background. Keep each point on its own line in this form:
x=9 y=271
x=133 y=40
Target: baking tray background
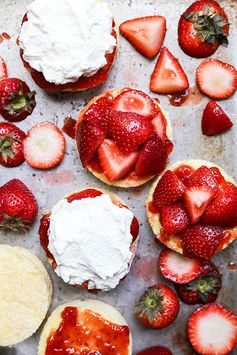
x=130 y=69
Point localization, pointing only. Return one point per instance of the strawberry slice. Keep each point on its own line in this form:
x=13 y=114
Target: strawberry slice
x=214 y=120
x=115 y=164
x=159 y=123
x=184 y=173
x=3 y=69
x=44 y=146
x=98 y=113
x=196 y=200
x=216 y=173
x=146 y=34
x=174 y=218
x=216 y=79
x=168 y=76
x=153 y=157
x=134 y=101
x=203 y=177
x=178 y=268
x=223 y=210
x=212 y=329
x=129 y=130
x=88 y=139
x=168 y=190
x=201 y=241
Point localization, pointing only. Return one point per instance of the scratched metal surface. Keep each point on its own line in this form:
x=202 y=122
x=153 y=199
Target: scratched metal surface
x=130 y=69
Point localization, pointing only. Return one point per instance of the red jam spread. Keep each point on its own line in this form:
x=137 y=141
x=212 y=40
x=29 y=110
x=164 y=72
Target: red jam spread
x=86 y=332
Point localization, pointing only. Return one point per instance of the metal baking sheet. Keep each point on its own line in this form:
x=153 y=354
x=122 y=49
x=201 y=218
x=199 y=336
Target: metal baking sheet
x=130 y=69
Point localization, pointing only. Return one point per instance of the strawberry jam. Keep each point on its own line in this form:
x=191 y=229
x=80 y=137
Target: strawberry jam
x=86 y=332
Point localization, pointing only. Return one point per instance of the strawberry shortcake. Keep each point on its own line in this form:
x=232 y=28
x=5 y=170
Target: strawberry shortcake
x=90 y=238
x=192 y=208
x=68 y=45
x=124 y=137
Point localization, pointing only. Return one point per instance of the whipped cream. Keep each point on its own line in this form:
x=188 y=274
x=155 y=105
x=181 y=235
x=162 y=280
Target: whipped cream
x=65 y=39
x=90 y=240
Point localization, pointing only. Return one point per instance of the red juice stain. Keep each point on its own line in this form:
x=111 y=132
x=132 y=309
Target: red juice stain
x=146 y=269
x=6 y=36
x=190 y=96
x=69 y=127
x=17 y=41
x=179 y=98
x=232 y=266
x=1 y=39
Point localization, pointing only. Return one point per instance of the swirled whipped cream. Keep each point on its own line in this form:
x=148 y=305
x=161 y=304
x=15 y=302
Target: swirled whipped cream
x=65 y=39
x=90 y=240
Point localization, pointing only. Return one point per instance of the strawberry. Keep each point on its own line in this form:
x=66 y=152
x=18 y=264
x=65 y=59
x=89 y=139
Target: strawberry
x=16 y=99
x=223 y=209
x=214 y=120
x=203 y=177
x=115 y=164
x=196 y=200
x=178 y=268
x=3 y=69
x=174 y=218
x=204 y=288
x=87 y=193
x=11 y=148
x=131 y=100
x=159 y=123
x=158 y=307
x=202 y=28
x=129 y=130
x=216 y=173
x=69 y=127
x=88 y=140
x=168 y=190
x=155 y=350
x=98 y=113
x=216 y=79
x=184 y=173
x=153 y=157
x=18 y=206
x=201 y=241
x=168 y=76
x=146 y=34
x=44 y=146
x=212 y=329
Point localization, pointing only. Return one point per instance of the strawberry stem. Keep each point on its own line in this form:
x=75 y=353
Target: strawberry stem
x=150 y=305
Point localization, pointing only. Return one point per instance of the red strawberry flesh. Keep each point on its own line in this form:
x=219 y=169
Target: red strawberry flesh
x=98 y=113
x=214 y=120
x=155 y=350
x=174 y=218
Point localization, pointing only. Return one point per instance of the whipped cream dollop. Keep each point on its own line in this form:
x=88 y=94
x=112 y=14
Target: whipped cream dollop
x=65 y=39
x=90 y=240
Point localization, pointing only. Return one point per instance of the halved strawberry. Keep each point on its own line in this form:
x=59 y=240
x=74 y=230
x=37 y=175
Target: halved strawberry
x=218 y=176
x=115 y=164
x=129 y=130
x=146 y=34
x=196 y=200
x=88 y=139
x=131 y=100
x=203 y=177
x=216 y=79
x=212 y=329
x=168 y=76
x=98 y=113
x=44 y=146
x=168 y=190
x=159 y=123
x=174 y=218
x=223 y=210
x=153 y=157
x=201 y=240
x=184 y=173
x=3 y=69
x=214 y=120
x=178 y=268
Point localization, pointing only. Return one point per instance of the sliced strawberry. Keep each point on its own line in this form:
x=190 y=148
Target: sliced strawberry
x=115 y=164
x=216 y=79
x=129 y=130
x=3 y=69
x=168 y=76
x=203 y=177
x=214 y=120
x=88 y=139
x=134 y=101
x=177 y=268
x=69 y=127
x=201 y=241
x=174 y=218
x=153 y=157
x=134 y=229
x=168 y=146
x=155 y=350
x=88 y=193
x=184 y=173
x=146 y=34
x=196 y=200
x=218 y=176
x=168 y=190
x=159 y=123
x=212 y=329
x=44 y=146
x=98 y=113
x=223 y=210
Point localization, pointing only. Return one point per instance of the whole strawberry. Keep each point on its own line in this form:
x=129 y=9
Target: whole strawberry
x=158 y=307
x=16 y=99
x=11 y=149
x=203 y=289
x=18 y=206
